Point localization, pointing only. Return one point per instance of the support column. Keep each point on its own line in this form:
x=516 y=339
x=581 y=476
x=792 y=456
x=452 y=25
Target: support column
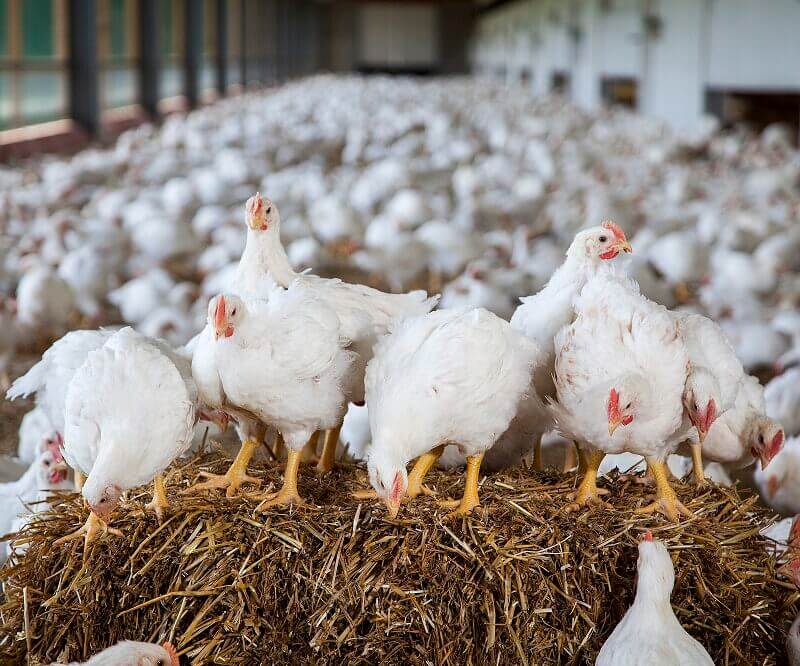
x=192 y=50
x=149 y=50
x=84 y=101
x=222 y=46
x=243 y=41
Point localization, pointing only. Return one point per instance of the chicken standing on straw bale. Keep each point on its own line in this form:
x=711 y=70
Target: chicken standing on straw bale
x=448 y=377
x=119 y=442
x=282 y=360
x=364 y=312
x=544 y=314
x=650 y=633
x=620 y=373
x=133 y=653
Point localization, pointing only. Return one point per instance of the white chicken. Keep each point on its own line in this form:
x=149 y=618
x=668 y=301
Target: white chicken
x=715 y=379
x=620 y=373
x=50 y=377
x=282 y=360
x=744 y=432
x=364 y=312
x=45 y=302
x=46 y=473
x=106 y=434
x=650 y=633
x=782 y=397
x=133 y=653
x=544 y=314
x=780 y=485
x=419 y=369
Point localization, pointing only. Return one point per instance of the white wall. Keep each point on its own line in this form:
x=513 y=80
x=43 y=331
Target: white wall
x=398 y=36
x=672 y=87
x=619 y=39
x=754 y=44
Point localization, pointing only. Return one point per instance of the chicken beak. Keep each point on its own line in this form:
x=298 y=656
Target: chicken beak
x=613 y=424
x=765 y=458
x=623 y=246
x=392 y=507
x=701 y=435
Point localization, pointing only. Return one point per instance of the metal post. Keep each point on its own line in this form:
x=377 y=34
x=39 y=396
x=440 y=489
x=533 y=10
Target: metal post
x=243 y=42
x=84 y=102
x=149 y=50
x=222 y=46
x=192 y=50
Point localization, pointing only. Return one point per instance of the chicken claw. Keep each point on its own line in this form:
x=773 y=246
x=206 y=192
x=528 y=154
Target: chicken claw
x=588 y=493
x=234 y=477
x=159 y=502
x=667 y=501
x=90 y=530
x=288 y=493
x=470 y=499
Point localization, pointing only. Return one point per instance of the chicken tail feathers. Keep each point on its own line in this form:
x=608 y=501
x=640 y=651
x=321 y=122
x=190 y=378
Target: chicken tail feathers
x=29 y=383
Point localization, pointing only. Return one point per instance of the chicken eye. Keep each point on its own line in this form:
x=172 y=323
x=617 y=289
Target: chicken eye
x=269 y=210
x=47 y=463
x=694 y=406
x=603 y=239
x=761 y=439
x=233 y=312
x=160 y=662
x=628 y=406
x=103 y=500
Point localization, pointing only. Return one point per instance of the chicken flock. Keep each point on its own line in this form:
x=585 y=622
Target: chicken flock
x=636 y=338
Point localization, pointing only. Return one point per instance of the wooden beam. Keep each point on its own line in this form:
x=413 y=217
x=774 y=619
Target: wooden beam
x=222 y=46
x=149 y=56
x=193 y=45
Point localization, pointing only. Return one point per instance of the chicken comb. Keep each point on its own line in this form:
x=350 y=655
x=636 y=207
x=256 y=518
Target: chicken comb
x=173 y=654
x=648 y=536
x=613 y=402
x=254 y=203
x=615 y=229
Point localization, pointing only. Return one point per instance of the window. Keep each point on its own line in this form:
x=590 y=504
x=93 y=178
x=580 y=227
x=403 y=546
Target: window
x=118 y=49
x=171 y=35
x=33 y=57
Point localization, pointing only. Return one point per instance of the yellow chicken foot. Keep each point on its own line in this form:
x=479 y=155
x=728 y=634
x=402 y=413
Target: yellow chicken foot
x=90 y=530
x=419 y=471
x=288 y=493
x=666 y=500
x=469 y=500
x=234 y=477
x=697 y=464
x=537 y=452
x=327 y=460
x=159 y=502
x=588 y=492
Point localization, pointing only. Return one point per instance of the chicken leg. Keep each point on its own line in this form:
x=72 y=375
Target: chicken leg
x=159 y=502
x=570 y=457
x=288 y=493
x=90 y=530
x=697 y=464
x=537 y=452
x=666 y=500
x=469 y=500
x=588 y=492
x=327 y=460
x=236 y=474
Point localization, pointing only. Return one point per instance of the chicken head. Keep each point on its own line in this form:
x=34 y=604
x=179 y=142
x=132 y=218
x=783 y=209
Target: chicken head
x=261 y=213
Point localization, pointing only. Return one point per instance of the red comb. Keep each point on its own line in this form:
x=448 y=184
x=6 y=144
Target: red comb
x=614 y=228
x=55 y=449
x=613 y=402
x=648 y=536
x=173 y=654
